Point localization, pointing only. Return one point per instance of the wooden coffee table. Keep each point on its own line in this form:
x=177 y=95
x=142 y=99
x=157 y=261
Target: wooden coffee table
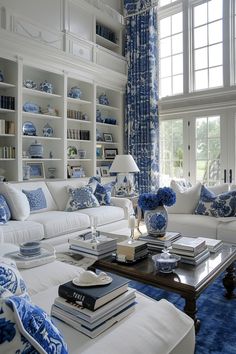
x=186 y=280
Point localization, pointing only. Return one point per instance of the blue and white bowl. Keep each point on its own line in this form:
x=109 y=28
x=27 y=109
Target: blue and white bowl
x=30 y=84
x=166 y=265
x=30 y=248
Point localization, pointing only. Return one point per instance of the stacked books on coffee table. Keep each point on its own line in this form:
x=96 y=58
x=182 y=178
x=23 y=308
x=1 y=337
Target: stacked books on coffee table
x=156 y=244
x=212 y=244
x=96 y=250
x=131 y=251
x=91 y=310
x=192 y=250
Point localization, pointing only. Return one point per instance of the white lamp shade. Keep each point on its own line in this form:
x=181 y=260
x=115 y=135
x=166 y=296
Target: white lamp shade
x=124 y=164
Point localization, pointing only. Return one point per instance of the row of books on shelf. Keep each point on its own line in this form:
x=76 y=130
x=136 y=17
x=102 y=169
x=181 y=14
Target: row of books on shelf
x=7 y=152
x=92 y=310
x=7 y=102
x=7 y=127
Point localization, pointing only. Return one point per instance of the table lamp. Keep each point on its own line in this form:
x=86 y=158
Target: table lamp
x=125 y=167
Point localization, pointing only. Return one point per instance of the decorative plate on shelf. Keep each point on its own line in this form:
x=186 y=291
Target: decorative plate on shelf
x=28 y=128
x=71 y=152
x=30 y=84
x=31 y=107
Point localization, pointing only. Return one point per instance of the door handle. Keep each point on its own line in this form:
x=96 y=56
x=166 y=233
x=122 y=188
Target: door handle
x=230 y=176
x=224 y=176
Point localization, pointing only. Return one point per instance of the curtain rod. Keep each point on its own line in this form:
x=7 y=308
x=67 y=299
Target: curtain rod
x=142 y=11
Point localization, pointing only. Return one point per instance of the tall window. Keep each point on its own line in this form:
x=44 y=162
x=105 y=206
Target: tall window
x=171 y=55
x=171 y=147
x=207 y=143
x=208 y=45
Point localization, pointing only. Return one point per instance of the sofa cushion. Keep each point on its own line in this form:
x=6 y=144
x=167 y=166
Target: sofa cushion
x=5 y=213
x=58 y=190
x=226 y=230
x=57 y=273
x=57 y=223
x=186 y=200
x=193 y=225
x=81 y=198
x=22 y=231
x=105 y=213
x=17 y=201
x=36 y=198
x=28 y=186
x=222 y=205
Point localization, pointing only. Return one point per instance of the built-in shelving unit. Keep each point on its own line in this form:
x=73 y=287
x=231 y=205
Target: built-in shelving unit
x=8 y=118
x=72 y=143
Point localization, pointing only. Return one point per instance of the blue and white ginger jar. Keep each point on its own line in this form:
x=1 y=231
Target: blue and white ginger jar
x=103 y=99
x=156 y=221
x=75 y=92
x=46 y=87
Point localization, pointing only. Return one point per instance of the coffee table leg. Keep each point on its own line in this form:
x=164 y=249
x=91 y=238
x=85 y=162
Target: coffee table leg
x=190 y=309
x=229 y=282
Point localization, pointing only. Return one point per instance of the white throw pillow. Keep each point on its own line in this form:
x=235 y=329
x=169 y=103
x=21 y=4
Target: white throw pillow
x=17 y=202
x=186 y=201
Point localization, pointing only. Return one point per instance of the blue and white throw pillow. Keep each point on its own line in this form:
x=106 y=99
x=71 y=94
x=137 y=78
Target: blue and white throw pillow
x=26 y=328
x=81 y=198
x=36 y=198
x=5 y=213
x=103 y=193
x=222 y=205
x=10 y=278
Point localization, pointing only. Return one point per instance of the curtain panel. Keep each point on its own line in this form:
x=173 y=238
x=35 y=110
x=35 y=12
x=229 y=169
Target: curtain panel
x=141 y=122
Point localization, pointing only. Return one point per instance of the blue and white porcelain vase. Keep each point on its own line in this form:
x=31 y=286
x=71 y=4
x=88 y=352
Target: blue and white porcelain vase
x=156 y=221
x=1 y=76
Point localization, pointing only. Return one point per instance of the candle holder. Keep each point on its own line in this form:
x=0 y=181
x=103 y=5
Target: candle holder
x=132 y=222
x=93 y=224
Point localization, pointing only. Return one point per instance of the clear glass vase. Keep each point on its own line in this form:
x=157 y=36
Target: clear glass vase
x=156 y=221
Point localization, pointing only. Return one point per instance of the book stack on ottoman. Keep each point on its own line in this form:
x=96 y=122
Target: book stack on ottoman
x=131 y=251
x=192 y=250
x=96 y=250
x=93 y=309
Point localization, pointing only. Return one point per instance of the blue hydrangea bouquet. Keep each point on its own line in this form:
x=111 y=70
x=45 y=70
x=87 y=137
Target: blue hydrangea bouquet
x=155 y=213
x=164 y=196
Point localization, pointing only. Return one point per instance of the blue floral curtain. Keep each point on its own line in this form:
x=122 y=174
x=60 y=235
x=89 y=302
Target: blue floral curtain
x=141 y=122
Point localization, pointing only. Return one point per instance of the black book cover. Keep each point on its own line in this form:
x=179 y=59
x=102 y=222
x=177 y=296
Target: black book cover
x=94 y=297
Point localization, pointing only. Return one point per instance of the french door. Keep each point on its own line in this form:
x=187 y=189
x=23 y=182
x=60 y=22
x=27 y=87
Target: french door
x=199 y=146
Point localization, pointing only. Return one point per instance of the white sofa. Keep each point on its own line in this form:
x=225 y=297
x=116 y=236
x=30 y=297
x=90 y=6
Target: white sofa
x=154 y=327
x=52 y=224
x=181 y=217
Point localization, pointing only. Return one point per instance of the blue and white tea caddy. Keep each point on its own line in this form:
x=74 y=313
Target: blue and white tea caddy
x=36 y=150
x=103 y=99
x=46 y=87
x=75 y=92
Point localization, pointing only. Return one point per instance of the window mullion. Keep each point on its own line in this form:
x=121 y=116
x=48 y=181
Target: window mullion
x=227 y=48
x=186 y=49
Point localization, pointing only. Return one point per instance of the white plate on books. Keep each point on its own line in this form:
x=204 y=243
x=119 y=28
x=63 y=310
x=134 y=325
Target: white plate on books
x=89 y=278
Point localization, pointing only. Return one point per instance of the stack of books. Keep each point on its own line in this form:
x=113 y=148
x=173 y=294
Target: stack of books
x=87 y=248
x=127 y=251
x=192 y=250
x=156 y=244
x=92 y=310
x=212 y=244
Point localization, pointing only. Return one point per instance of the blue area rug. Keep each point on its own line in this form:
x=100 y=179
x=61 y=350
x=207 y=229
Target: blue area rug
x=217 y=334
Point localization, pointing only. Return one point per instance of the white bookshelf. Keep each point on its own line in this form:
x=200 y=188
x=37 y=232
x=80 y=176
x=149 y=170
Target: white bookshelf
x=83 y=126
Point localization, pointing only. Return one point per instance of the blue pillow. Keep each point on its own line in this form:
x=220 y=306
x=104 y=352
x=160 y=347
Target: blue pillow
x=36 y=198
x=26 y=328
x=81 y=198
x=5 y=213
x=222 y=205
x=102 y=192
x=10 y=278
